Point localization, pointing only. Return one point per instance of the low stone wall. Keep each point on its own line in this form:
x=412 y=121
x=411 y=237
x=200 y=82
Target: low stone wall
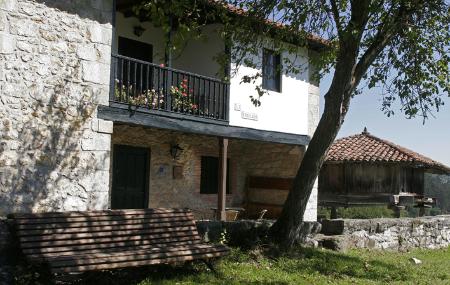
x=392 y=234
x=247 y=233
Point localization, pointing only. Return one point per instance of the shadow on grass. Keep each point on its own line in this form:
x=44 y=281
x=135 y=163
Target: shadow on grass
x=262 y=266
x=340 y=265
x=192 y=273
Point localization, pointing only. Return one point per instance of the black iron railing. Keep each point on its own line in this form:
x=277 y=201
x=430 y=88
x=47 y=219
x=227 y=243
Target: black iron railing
x=153 y=87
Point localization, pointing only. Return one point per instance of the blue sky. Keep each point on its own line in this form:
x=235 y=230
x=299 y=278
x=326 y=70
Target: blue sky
x=431 y=139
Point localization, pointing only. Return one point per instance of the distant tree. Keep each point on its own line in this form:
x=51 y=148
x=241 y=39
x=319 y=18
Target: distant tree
x=401 y=46
x=438 y=186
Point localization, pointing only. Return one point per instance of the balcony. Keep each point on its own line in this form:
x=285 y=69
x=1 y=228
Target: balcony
x=148 y=87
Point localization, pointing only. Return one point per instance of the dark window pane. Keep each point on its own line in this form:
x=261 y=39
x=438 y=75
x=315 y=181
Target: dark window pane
x=271 y=70
x=138 y=71
x=209 y=181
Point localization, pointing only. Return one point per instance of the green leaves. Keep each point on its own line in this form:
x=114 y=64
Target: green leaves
x=403 y=45
x=415 y=66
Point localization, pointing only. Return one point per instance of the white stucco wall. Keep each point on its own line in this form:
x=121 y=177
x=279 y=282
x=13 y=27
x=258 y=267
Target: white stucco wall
x=154 y=36
x=286 y=111
x=196 y=57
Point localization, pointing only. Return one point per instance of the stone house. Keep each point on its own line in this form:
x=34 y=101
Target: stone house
x=90 y=119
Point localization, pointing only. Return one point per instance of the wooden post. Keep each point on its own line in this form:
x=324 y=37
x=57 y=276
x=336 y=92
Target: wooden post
x=333 y=213
x=221 y=195
x=422 y=211
x=397 y=211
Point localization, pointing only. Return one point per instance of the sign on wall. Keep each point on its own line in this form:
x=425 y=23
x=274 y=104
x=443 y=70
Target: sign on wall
x=249 y=116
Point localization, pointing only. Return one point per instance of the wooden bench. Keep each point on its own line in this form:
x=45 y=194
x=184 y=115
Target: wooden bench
x=98 y=240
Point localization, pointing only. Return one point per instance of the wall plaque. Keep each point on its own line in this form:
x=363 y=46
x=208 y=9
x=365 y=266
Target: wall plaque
x=249 y=116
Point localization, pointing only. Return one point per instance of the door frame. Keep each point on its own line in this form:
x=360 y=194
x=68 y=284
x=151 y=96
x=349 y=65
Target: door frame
x=147 y=176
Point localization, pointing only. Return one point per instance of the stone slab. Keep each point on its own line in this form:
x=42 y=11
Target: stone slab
x=7 y=43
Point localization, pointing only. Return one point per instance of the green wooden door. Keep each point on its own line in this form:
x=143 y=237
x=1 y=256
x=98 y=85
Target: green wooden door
x=130 y=184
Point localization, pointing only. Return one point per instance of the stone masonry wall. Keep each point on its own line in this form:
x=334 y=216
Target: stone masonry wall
x=393 y=234
x=247 y=158
x=54 y=71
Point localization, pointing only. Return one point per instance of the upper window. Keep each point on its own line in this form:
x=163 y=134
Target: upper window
x=135 y=73
x=209 y=183
x=135 y=49
x=271 y=70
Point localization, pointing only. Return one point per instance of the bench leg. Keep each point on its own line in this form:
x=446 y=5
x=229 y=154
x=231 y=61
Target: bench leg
x=211 y=264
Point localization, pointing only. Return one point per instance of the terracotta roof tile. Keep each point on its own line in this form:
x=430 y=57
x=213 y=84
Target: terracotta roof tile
x=239 y=11
x=365 y=147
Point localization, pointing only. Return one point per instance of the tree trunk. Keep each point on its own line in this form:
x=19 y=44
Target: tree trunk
x=337 y=100
x=286 y=229
x=350 y=68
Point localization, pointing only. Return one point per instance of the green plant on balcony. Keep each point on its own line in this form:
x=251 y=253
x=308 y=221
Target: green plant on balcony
x=144 y=98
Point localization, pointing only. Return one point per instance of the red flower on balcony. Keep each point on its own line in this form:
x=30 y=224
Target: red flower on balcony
x=182 y=102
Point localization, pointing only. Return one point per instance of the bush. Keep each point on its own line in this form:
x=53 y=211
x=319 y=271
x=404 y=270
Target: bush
x=359 y=212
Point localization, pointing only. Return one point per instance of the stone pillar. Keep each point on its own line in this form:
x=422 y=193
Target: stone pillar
x=222 y=189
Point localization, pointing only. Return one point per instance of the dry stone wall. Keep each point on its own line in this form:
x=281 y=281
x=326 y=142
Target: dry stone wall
x=54 y=71
x=393 y=234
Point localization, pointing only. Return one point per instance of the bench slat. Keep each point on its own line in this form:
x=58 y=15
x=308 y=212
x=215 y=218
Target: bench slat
x=76 y=236
x=105 y=239
x=126 y=243
x=56 y=220
x=94 y=255
x=135 y=263
x=95 y=213
x=97 y=248
x=109 y=228
x=65 y=225
x=157 y=253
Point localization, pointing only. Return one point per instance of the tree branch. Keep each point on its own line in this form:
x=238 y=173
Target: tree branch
x=337 y=20
x=381 y=40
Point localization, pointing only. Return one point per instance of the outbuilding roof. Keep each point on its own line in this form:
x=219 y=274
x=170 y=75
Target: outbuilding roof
x=367 y=148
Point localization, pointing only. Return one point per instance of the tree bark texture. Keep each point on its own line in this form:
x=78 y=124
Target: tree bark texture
x=337 y=100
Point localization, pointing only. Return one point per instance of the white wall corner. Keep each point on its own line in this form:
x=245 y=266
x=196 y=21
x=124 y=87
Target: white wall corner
x=311 y=208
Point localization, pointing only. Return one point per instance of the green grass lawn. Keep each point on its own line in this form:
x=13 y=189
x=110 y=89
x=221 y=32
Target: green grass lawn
x=304 y=266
